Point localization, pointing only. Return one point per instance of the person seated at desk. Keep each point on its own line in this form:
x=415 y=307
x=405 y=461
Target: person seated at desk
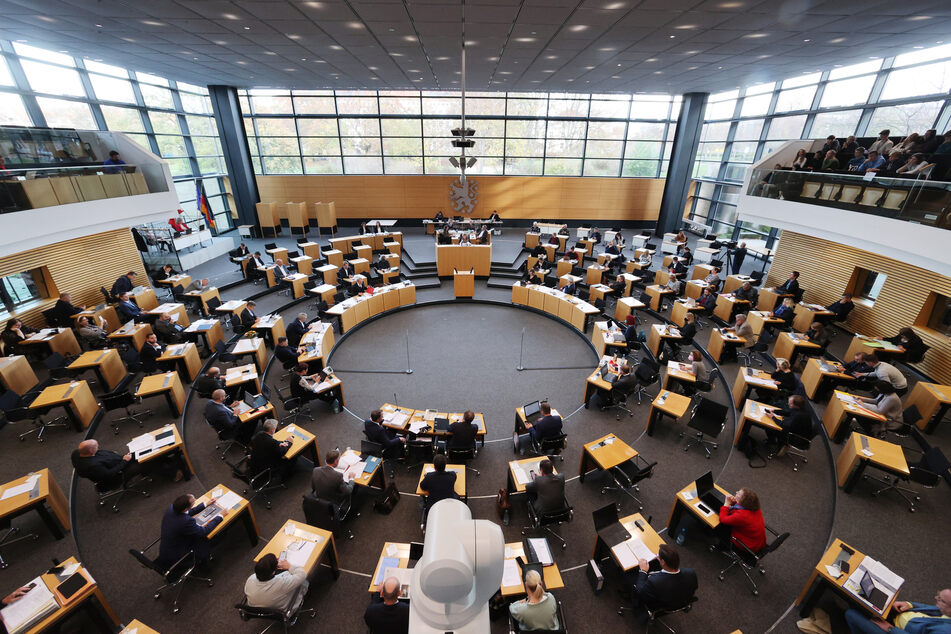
x=570 y=288
x=881 y=371
x=167 y=330
x=818 y=335
x=14 y=334
x=570 y=256
x=790 y=286
x=858 y=158
x=182 y=535
x=618 y=285
x=681 y=237
x=858 y=365
x=743 y=516
x=677 y=267
x=243 y=250
x=713 y=279
x=248 y=315
x=547 y=426
x=533 y=277
x=438 y=484
x=91 y=335
x=444 y=237
x=542 y=264
x=275 y=584
x=328 y=484
x=150 y=353
x=595 y=234
x=223 y=418
x=785 y=378
x=297 y=329
x=381 y=263
x=256 y=261
x=908 y=618
x=124 y=284
x=483 y=235
x=358 y=286
x=538 y=611
x=874 y=163
x=885 y=402
x=129 y=310
x=268 y=453
x=786 y=312
x=113 y=161
x=463 y=432
x=534 y=228
x=280 y=271
x=305 y=386
x=285 y=353
x=197 y=286
x=207 y=383
x=546 y=491
x=612 y=249
x=669 y=588
x=747 y=293
x=166 y=272
x=495 y=217
x=178 y=225
x=464 y=239
x=386 y=614
x=375 y=432
x=794 y=419
x=686 y=255
x=842 y=307
x=64 y=309
x=909 y=340
x=538 y=251
x=742 y=328
x=708 y=300
x=554 y=240
x=346 y=270
x=103 y=466
x=695 y=361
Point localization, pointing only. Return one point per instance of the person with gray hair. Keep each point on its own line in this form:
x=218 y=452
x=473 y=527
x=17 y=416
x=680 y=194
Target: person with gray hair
x=296 y=330
x=269 y=453
x=386 y=614
x=275 y=584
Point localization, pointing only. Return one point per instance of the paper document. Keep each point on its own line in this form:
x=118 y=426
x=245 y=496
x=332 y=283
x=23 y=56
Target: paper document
x=20 y=488
x=511 y=576
x=299 y=556
x=417 y=426
x=624 y=555
x=347 y=459
x=323 y=385
x=229 y=500
x=354 y=471
x=385 y=563
x=834 y=571
x=540 y=546
x=31 y=608
x=521 y=475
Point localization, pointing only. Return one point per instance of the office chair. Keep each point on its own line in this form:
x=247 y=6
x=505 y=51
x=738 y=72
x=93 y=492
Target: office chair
x=115 y=487
x=462 y=455
x=619 y=402
x=35 y=415
x=225 y=440
x=707 y=418
x=326 y=515
x=544 y=521
x=321 y=307
x=925 y=472
x=551 y=447
x=293 y=407
x=10 y=535
x=174 y=576
x=421 y=449
x=258 y=483
x=58 y=368
x=744 y=558
x=236 y=326
x=706 y=387
x=749 y=355
x=626 y=476
x=52 y=319
x=222 y=355
x=647 y=373
x=562 y=626
x=122 y=398
x=910 y=417
x=287 y=617
x=757 y=279
x=213 y=303
x=795 y=446
x=178 y=294
x=268 y=246
x=654 y=616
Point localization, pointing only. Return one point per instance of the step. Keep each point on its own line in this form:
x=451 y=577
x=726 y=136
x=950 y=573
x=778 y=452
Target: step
x=513 y=275
x=418 y=275
x=427 y=282
x=499 y=282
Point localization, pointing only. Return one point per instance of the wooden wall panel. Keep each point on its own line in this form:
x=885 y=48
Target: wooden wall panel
x=825 y=270
x=79 y=267
x=631 y=199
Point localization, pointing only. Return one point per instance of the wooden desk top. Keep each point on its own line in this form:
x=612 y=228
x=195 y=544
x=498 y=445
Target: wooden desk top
x=756 y=412
x=155 y=384
x=234 y=512
x=136 y=626
x=649 y=536
x=247 y=345
x=666 y=331
x=17 y=502
x=727 y=334
x=299 y=438
x=551 y=575
x=294 y=531
x=93 y=358
x=401 y=552
x=460 y=471
x=828 y=558
x=241 y=374
x=874 y=342
x=612 y=454
x=681 y=371
x=885 y=454
x=268 y=323
x=528 y=465
x=940 y=392
x=177 y=351
x=232 y=306
x=798 y=339
x=165 y=308
x=152 y=455
x=710 y=520
x=760 y=379
x=65 y=606
x=675 y=405
x=62 y=393
x=853 y=408
x=366 y=478
x=131 y=332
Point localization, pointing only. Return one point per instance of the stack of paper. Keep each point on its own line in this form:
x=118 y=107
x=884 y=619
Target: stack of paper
x=511 y=576
x=521 y=476
x=540 y=546
x=21 y=488
x=32 y=607
x=417 y=426
x=348 y=459
x=229 y=500
x=299 y=552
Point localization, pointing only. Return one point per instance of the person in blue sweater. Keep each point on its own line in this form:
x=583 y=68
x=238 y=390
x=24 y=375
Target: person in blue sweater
x=910 y=618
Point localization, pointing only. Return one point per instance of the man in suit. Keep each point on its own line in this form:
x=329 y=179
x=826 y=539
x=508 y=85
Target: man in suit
x=745 y=330
x=197 y=285
x=181 y=534
x=257 y=261
x=570 y=288
x=327 y=483
x=375 y=432
x=103 y=466
x=842 y=307
x=92 y=335
x=285 y=353
x=243 y=250
x=463 y=432
x=386 y=614
x=739 y=254
x=677 y=268
x=223 y=418
x=124 y=284
x=625 y=384
x=249 y=316
x=150 y=353
x=63 y=310
x=793 y=420
x=168 y=330
x=669 y=588
x=708 y=300
x=268 y=453
x=210 y=381
x=546 y=492
x=166 y=272
x=790 y=286
x=296 y=329
x=438 y=484
x=548 y=426
x=346 y=271
x=747 y=293
x=280 y=271
x=908 y=617
x=128 y=309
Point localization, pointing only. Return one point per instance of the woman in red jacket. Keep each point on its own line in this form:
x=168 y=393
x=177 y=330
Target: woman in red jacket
x=742 y=514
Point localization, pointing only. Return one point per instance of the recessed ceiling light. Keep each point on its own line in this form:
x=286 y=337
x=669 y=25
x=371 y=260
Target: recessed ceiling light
x=719 y=68
x=152 y=22
x=375 y=78
x=916 y=18
x=355 y=25
x=615 y=6
x=917 y=46
x=806 y=40
x=442 y=59
x=270 y=53
x=293 y=36
x=124 y=39
x=98 y=26
x=548 y=71
x=755 y=36
x=336 y=47
x=229 y=16
x=303 y=59
x=551 y=57
x=372 y=67
x=391 y=54
x=525 y=39
x=940 y=42
x=46 y=18
x=589 y=67
x=472 y=43
x=492 y=59
x=658 y=72
x=577 y=27
x=693 y=68
x=763 y=56
x=730 y=5
x=619 y=65
x=606 y=49
x=409 y=38
x=837 y=40
x=220 y=42
x=651 y=59
x=505 y=72
x=536 y=81
x=672 y=37
x=247 y=28
x=319 y=61
x=241 y=63
x=414 y=70
x=615 y=76
x=571 y=80
x=686 y=26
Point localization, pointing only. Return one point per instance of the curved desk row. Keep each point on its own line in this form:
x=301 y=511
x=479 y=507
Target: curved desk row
x=356 y=309
x=405 y=419
x=319 y=341
x=554 y=302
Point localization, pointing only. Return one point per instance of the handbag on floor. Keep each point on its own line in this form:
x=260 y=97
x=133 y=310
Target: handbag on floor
x=388 y=499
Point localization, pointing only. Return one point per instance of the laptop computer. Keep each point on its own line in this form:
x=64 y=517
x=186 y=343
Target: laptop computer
x=254 y=400
x=607 y=526
x=441 y=424
x=870 y=591
x=532 y=411
x=707 y=493
x=415 y=553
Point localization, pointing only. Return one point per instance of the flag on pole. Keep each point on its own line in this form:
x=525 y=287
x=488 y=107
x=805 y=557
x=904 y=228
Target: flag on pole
x=203 y=207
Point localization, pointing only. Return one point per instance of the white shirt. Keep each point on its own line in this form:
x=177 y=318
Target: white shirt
x=278 y=591
x=887 y=372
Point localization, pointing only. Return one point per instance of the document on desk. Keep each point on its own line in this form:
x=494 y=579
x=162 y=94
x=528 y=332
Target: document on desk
x=542 y=551
x=299 y=552
x=414 y=427
x=385 y=563
x=20 y=489
x=521 y=475
x=511 y=576
x=30 y=609
x=229 y=500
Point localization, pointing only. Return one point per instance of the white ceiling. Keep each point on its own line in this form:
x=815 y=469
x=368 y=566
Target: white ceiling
x=527 y=45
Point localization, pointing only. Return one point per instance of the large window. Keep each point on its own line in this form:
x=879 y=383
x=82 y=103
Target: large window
x=171 y=119
x=408 y=132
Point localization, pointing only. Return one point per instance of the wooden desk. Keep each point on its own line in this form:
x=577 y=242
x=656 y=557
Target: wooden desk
x=626 y=306
x=242 y=510
x=605 y=345
x=204 y=296
x=301 y=441
x=747 y=379
x=604 y=453
x=297 y=281
x=727 y=306
x=526 y=466
x=304 y=264
x=107 y=365
x=647 y=534
x=254 y=347
x=932 y=401
x=635 y=265
x=734 y=282
x=758 y=319
x=551 y=575
x=233 y=307
x=248 y=419
x=352 y=311
x=239 y=375
x=721 y=340
x=329 y=272
x=852 y=461
x=477 y=257
x=694 y=288
x=658 y=333
x=334 y=257
x=209 y=329
x=768 y=299
x=310 y=249
x=181 y=279
x=401 y=553
x=460 y=485
x=754 y=413
x=293 y=531
x=135 y=336
x=463 y=282
x=598 y=291
x=679 y=310
x=884 y=350
x=368 y=478
x=273 y=327
x=596 y=382
x=666 y=403
x=320 y=336
x=16 y=374
x=280 y=253
x=177 y=448
x=64 y=341
x=268 y=271
x=108 y=313
x=185 y=357
x=168 y=384
x=136 y=626
x=76 y=397
x=144 y=299
x=656 y=293
x=677 y=371
x=89 y=599
x=531 y=240
x=814 y=377
x=805 y=314
x=682 y=504
x=661 y=278
x=700 y=271
x=49 y=503
x=820 y=580
x=839 y=409
x=788 y=344
x=595 y=272
x=172 y=309
x=361 y=265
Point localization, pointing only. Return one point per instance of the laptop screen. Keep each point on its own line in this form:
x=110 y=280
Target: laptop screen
x=868 y=585
x=604 y=516
x=532 y=408
x=705 y=483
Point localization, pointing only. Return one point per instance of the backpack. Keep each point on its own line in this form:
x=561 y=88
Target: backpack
x=388 y=499
x=502 y=504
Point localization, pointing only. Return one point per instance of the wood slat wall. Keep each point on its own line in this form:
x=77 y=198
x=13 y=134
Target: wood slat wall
x=826 y=268
x=631 y=199
x=79 y=267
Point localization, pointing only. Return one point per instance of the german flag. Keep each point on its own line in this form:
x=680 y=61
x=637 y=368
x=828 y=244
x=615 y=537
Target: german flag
x=203 y=207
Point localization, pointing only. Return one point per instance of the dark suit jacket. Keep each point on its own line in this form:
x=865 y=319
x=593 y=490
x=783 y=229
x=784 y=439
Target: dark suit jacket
x=679 y=268
x=625 y=384
x=280 y=272
x=328 y=483
x=266 y=453
x=222 y=418
x=663 y=590
x=248 y=318
x=546 y=427
x=62 y=311
x=796 y=421
x=438 y=486
x=128 y=310
x=295 y=331
x=750 y=295
x=789 y=286
x=122 y=285
x=785 y=313
x=688 y=332
x=550 y=490
x=149 y=356
x=105 y=467
x=841 y=310
x=463 y=434
x=285 y=354
x=163 y=275
x=206 y=384
x=166 y=330
x=387 y=619
x=379 y=434
x=570 y=289
x=181 y=534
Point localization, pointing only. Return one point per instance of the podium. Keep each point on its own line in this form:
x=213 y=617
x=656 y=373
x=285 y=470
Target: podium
x=464 y=282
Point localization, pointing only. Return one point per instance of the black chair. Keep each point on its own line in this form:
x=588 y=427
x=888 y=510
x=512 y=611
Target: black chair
x=221 y=353
x=52 y=318
x=35 y=416
x=212 y=303
x=757 y=278
x=544 y=521
x=130 y=357
x=178 y=294
x=619 y=401
x=106 y=296
x=462 y=455
x=647 y=373
x=654 y=616
x=705 y=387
x=707 y=419
x=236 y=326
x=753 y=354
x=551 y=447
x=627 y=474
x=122 y=398
x=562 y=626
x=258 y=483
x=288 y=617
x=795 y=446
x=926 y=472
x=741 y=556
x=10 y=535
x=293 y=407
x=115 y=487
x=174 y=576
x=226 y=440
x=326 y=515
x=419 y=451
x=58 y=368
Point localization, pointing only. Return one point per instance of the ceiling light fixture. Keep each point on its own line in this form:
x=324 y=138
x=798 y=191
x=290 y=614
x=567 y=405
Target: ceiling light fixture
x=336 y=47
x=525 y=39
x=672 y=37
x=355 y=25
x=229 y=16
x=916 y=18
x=152 y=22
x=614 y=6
x=247 y=28
x=578 y=27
